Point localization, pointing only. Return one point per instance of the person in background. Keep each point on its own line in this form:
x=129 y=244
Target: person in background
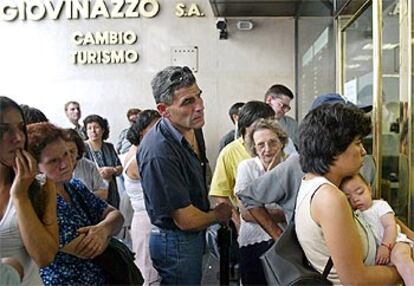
x=224 y=176
x=123 y=145
x=86 y=222
x=33 y=115
x=84 y=170
x=265 y=141
x=172 y=163
x=73 y=113
x=140 y=225
x=103 y=154
x=232 y=134
x=331 y=149
x=279 y=97
x=281 y=184
x=26 y=206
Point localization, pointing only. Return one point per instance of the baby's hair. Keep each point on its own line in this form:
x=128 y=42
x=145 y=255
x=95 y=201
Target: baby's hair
x=345 y=180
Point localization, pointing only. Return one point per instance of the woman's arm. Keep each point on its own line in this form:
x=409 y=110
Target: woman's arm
x=331 y=210
x=97 y=236
x=117 y=170
x=40 y=237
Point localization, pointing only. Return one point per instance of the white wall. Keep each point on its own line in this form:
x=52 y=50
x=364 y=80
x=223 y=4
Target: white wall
x=36 y=67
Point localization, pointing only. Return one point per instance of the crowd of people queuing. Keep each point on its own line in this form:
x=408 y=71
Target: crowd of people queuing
x=60 y=199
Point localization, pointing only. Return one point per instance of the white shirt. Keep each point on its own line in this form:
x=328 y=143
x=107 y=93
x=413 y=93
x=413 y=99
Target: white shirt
x=11 y=245
x=373 y=217
x=87 y=172
x=247 y=171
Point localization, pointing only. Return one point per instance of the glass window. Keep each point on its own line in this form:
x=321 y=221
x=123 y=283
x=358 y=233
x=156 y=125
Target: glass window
x=316 y=60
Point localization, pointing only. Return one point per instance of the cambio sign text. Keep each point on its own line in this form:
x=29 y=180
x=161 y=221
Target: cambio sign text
x=36 y=10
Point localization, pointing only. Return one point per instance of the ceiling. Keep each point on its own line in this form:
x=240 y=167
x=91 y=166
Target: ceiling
x=271 y=8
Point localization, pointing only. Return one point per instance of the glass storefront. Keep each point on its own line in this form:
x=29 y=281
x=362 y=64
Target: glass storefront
x=316 y=60
x=375 y=67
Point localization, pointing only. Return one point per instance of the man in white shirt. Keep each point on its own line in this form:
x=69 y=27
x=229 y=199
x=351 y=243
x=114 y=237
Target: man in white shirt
x=73 y=113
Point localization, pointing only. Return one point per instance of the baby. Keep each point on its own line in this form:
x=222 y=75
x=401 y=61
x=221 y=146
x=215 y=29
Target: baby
x=392 y=245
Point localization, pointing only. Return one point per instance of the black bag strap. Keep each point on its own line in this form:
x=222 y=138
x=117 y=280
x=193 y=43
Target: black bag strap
x=328 y=268
x=329 y=264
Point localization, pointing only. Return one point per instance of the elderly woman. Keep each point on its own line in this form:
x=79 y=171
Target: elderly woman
x=85 y=222
x=103 y=154
x=141 y=225
x=265 y=141
x=26 y=208
x=331 y=149
x=84 y=169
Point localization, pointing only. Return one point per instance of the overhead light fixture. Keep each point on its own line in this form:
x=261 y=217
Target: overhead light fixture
x=245 y=25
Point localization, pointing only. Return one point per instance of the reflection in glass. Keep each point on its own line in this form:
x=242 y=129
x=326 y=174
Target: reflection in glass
x=316 y=59
x=393 y=187
x=358 y=64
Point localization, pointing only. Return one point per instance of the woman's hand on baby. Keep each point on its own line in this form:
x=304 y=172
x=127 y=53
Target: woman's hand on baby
x=383 y=255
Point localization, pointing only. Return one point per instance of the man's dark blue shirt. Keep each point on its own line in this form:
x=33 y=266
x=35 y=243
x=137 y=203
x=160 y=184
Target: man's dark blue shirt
x=172 y=175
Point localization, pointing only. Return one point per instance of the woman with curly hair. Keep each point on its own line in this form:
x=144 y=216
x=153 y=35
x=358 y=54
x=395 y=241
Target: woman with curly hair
x=103 y=154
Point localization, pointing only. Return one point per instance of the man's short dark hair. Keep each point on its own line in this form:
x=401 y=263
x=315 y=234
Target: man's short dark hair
x=170 y=79
x=101 y=122
x=326 y=132
x=69 y=103
x=279 y=90
x=133 y=111
x=252 y=111
x=235 y=109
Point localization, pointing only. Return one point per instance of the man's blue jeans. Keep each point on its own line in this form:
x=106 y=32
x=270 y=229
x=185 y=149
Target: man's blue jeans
x=177 y=256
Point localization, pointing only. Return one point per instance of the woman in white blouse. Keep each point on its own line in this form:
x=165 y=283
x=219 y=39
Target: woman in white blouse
x=265 y=141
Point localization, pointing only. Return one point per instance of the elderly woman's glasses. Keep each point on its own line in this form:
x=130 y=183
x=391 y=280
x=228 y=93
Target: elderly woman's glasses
x=271 y=144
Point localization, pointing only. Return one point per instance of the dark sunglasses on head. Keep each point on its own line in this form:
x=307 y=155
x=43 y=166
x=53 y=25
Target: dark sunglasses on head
x=177 y=77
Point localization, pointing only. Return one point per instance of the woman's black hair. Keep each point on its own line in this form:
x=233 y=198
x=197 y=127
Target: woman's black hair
x=144 y=119
x=97 y=119
x=326 y=132
x=33 y=115
x=36 y=195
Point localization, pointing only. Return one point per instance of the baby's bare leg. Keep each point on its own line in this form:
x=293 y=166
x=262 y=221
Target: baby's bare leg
x=401 y=257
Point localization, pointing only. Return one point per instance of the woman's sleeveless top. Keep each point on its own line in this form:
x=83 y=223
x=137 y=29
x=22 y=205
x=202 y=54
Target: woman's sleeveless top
x=133 y=188
x=310 y=234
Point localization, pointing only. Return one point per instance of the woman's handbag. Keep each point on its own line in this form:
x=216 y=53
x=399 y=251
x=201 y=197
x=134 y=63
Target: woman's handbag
x=117 y=262
x=285 y=263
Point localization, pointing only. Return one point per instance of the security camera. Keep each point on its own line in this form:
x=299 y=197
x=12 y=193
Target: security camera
x=221 y=25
